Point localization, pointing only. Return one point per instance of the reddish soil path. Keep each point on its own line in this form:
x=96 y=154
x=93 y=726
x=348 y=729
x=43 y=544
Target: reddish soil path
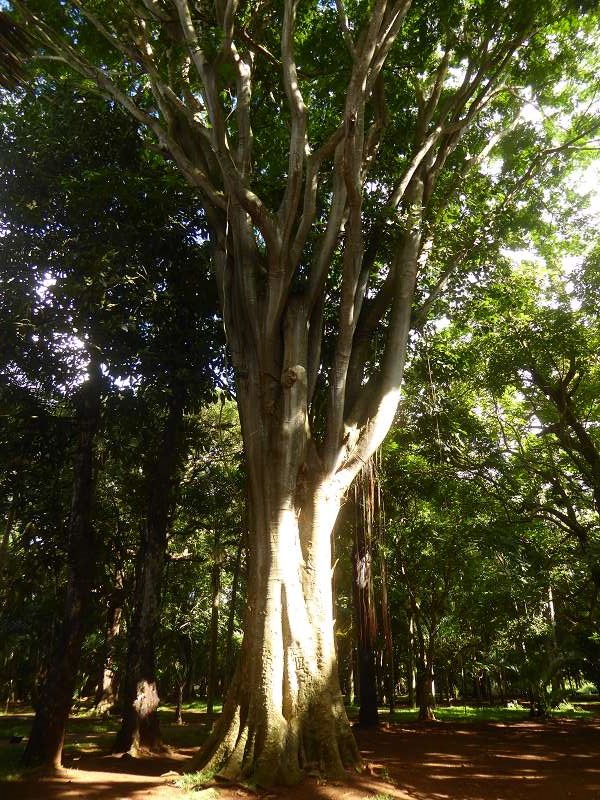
x=558 y=760
x=93 y=777
x=490 y=761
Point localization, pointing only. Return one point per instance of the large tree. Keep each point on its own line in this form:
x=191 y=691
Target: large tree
x=133 y=309
x=331 y=147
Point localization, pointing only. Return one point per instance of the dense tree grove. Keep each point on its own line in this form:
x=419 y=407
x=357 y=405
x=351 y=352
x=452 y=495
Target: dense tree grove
x=241 y=244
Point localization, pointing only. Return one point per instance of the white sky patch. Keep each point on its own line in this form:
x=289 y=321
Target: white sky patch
x=520 y=256
x=570 y=263
x=492 y=167
x=456 y=75
x=43 y=289
x=532 y=114
x=441 y=323
x=586 y=183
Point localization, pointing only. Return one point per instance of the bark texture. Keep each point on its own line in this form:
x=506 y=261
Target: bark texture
x=56 y=696
x=215 y=581
x=364 y=597
x=235 y=580
x=140 y=728
x=284 y=713
x=106 y=693
x=425 y=683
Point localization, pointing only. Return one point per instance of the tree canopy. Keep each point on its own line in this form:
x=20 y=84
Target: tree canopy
x=353 y=171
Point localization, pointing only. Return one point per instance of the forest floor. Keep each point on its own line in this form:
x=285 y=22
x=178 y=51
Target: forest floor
x=454 y=759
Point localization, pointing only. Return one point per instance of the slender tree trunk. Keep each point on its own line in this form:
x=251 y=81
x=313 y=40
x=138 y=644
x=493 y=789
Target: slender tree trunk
x=235 y=579
x=106 y=693
x=367 y=676
x=188 y=685
x=350 y=679
x=425 y=684
x=178 y=714
x=364 y=600
x=411 y=676
x=10 y=520
x=355 y=676
x=140 y=728
x=8 y=672
x=213 y=665
x=388 y=637
x=56 y=696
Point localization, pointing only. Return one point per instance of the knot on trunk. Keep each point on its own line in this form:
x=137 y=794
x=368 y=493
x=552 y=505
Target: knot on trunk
x=146 y=700
x=289 y=377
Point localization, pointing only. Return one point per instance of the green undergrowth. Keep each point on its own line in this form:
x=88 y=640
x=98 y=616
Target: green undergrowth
x=195 y=706
x=11 y=754
x=378 y=797
x=193 y=781
x=88 y=735
x=514 y=713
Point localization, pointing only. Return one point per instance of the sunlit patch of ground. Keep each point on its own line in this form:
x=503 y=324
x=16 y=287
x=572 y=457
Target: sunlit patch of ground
x=467 y=759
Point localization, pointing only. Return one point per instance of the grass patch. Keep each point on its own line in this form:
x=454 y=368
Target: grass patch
x=572 y=711
x=87 y=734
x=191 y=735
x=193 y=781
x=486 y=714
x=84 y=735
x=11 y=761
x=194 y=706
x=11 y=755
x=14 y=726
x=379 y=796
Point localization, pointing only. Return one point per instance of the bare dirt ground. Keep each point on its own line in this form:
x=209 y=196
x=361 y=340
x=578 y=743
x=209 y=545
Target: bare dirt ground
x=556 y=760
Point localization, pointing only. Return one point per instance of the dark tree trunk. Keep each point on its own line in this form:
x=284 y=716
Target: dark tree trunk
x=140 y=728
x=387 y=633
x=364 y=601
x=188 y=686
x=411 y=678
x=106 y=693
x=56 y=695
x=178 y=714
x=425 y=690
x=235 y=580
x=213 y=665
x=425 y=695
x=10 y=519
x=354 y=677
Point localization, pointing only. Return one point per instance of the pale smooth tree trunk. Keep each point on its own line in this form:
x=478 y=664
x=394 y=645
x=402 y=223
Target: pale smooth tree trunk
x=284 y=712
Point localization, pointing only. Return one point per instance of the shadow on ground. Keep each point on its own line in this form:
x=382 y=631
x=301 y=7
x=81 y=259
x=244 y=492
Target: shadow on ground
x=557 y=760
x=542 y=761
